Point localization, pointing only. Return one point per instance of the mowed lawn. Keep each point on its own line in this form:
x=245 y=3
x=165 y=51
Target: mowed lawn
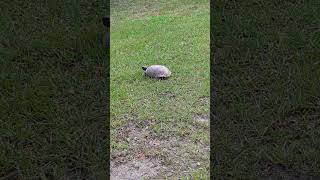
x=164 y=122
x=267 y=104
x=53 y=88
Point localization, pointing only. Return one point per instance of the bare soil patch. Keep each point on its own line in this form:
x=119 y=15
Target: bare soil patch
x=157 y=157
x=202 y=118
x=135 y=169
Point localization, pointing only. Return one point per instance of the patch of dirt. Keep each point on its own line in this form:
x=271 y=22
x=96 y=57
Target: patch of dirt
x=135 y=169
x=149 y=156
x=202 y=118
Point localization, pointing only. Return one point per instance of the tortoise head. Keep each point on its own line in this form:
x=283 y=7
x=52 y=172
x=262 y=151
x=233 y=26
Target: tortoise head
x=144 y=68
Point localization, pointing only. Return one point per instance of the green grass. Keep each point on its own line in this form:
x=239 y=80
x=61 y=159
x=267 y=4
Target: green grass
x=53 y=86
x=174 y=34
x=52 y=90
x=267 y=104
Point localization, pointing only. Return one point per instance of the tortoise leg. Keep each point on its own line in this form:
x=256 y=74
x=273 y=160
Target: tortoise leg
x=162 y=78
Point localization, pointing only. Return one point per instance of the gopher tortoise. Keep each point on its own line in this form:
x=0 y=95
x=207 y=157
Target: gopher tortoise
x=156 y=71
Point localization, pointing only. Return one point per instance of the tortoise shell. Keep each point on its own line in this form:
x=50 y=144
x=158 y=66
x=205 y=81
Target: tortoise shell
x=156 y=71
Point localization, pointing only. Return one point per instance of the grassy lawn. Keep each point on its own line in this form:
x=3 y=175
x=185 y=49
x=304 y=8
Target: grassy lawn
x=162 y=125
x=267 y=67
x=52 y=90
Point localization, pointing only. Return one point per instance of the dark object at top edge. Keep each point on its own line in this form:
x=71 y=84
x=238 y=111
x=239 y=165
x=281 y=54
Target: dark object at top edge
x=106 y=21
